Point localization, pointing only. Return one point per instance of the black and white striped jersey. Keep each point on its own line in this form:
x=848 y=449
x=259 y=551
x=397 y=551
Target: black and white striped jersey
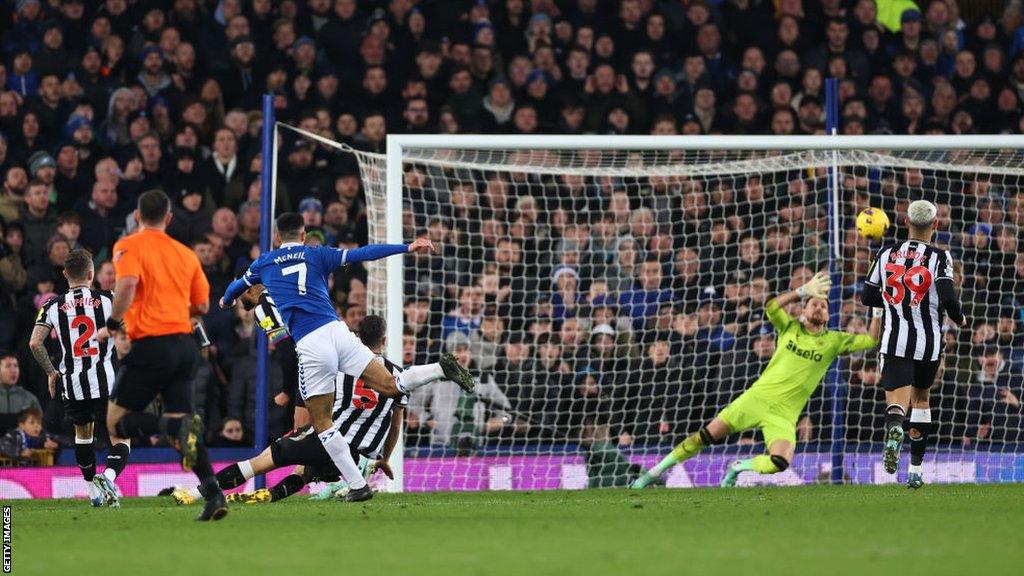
x=269 y=318
x=907 y=276
x=362 y=416
x=86 y=364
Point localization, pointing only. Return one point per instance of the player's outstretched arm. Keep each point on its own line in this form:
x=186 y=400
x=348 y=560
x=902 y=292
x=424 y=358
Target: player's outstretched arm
x=378 y=251
x=816 y=287
x=234 y=290
x=240 y=285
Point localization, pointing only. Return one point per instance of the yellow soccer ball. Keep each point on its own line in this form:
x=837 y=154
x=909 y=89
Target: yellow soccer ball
x=872 y=223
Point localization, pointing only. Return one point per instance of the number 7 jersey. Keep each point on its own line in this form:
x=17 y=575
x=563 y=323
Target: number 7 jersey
x=907 y=275
x=296 y=277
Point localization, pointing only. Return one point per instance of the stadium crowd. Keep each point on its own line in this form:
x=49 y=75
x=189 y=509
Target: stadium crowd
x=612 y=311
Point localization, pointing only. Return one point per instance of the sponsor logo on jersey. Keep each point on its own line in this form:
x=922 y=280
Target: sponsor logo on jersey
x=808 y=354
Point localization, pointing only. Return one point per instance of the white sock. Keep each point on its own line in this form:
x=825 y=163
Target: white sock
x=246 y=469
x=417 y=377
x=195 y=493
x=338 y=449
x=914 y=469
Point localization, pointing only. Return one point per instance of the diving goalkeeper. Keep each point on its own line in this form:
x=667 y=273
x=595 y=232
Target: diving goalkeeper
x=805 y=349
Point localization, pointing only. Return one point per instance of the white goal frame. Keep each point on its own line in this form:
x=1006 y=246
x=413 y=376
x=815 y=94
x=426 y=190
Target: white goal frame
x=398 y=144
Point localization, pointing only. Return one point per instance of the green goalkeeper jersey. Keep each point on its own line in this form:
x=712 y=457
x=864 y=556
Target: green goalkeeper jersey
x=800 y=361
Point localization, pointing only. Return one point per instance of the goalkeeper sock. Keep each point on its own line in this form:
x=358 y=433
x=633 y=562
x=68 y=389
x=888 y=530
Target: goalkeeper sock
x=894 y=416
x=685 y=450
x=289 y=485
x=920 y=426
x=417 y=377
x=85 y=457
x=762 y=464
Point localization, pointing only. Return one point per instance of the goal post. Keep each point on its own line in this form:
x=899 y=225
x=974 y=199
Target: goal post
x=568 y=185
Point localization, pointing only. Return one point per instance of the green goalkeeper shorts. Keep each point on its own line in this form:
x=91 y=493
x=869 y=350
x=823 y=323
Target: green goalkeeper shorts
x=751 y=411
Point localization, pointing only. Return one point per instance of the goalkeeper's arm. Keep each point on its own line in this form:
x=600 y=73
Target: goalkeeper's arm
x=816 y=287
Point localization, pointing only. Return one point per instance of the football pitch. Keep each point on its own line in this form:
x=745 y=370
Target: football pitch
x=957 y=529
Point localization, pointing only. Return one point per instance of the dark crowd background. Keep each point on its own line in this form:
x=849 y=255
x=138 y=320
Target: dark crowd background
x=613 y=310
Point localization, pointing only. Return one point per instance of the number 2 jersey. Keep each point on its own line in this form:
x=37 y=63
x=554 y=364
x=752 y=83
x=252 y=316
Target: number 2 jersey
x=86 y=364
x=913 y=283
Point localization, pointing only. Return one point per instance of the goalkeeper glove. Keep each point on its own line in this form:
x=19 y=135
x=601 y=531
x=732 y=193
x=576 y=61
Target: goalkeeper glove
x=816 y=287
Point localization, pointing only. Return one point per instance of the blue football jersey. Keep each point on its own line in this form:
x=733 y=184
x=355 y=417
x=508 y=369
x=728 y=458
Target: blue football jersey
x=296 y=276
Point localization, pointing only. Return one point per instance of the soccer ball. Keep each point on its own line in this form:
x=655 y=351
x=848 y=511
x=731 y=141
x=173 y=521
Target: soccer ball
x=872 y=223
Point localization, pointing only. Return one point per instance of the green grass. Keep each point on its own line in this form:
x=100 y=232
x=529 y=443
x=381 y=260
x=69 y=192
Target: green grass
x=762 y=531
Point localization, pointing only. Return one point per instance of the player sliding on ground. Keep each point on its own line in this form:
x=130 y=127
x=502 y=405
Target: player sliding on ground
x=913 y=283
x=296 y=278
x=369 y=424
x=805 y=349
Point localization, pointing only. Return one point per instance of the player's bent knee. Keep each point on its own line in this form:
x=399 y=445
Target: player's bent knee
x=779 y=462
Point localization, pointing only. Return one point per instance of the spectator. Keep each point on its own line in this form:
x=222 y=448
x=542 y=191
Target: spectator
x=467 y=316
x=13 y=398
x=15 y=186
x=642 y=301
x=996 y=399
x=102 y=219
x=51 y=267
x=445 y=415
x=20 y=444
x=38 y=220
x=230 y=435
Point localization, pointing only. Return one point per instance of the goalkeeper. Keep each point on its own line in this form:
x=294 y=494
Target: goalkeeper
x=805 y=349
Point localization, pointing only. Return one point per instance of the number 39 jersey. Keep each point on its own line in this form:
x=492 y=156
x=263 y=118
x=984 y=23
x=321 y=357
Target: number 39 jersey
x=361 y=415
x=906 y=275
x=86 y=364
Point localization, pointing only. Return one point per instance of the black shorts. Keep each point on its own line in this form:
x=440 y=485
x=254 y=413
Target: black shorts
x=81 y=412
x=159 y=365
x=899 y=372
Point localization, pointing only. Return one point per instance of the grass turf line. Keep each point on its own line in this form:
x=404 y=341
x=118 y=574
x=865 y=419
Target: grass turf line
x=833 y=530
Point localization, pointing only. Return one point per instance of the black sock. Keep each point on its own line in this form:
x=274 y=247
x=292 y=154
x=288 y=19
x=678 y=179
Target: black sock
x=230 y=477
x=86 y=458
x=138 y=425
x=291 y=484
x=117 y=458
x=894 y=416
x=204 y=471
x=918 y=445
x=170 y=427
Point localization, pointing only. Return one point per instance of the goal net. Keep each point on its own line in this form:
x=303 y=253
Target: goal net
x=610 y=300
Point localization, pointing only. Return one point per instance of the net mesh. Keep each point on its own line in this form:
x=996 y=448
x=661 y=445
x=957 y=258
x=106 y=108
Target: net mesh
x=611 y=302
